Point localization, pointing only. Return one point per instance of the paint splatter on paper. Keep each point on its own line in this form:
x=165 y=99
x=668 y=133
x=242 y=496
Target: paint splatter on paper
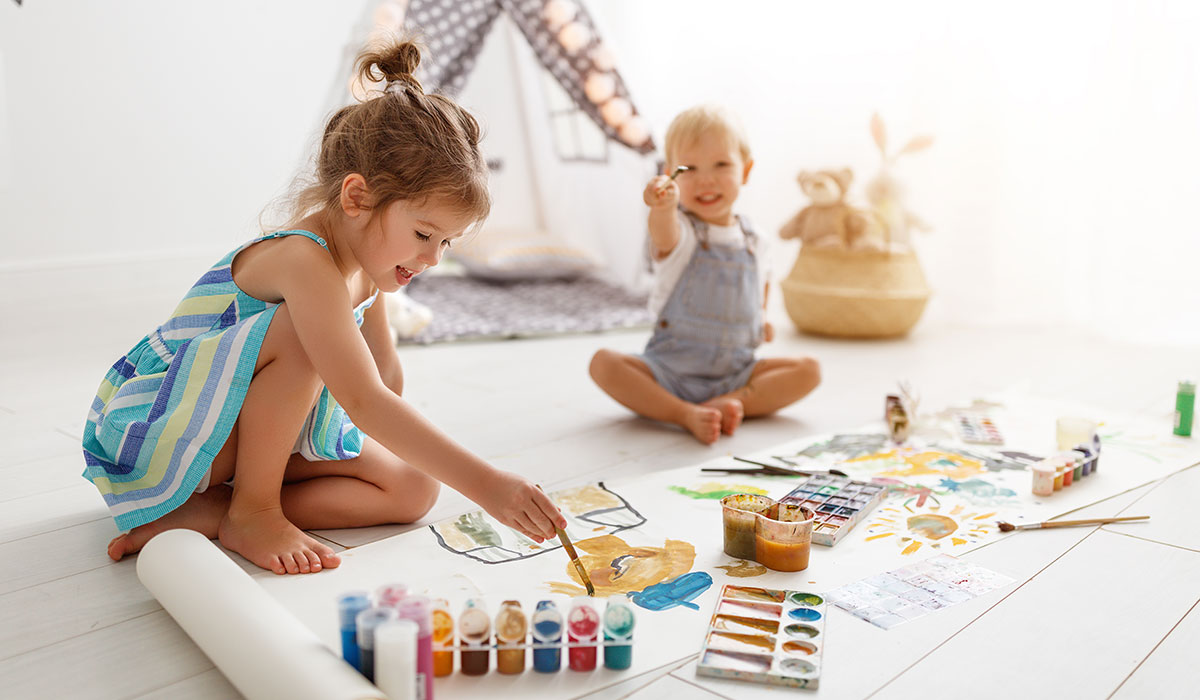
x=679 y=591
x=715 y=491
x=589 y=510
x=936 y=525
x=743 y=569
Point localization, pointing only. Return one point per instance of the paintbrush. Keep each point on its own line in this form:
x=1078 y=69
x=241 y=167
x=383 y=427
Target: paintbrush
x=674 y=174
x=785 y=470
x=1009 y=527
x=566 y=543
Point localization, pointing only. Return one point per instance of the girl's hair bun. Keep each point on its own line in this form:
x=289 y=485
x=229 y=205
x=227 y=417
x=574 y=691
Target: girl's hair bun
x=391 y=63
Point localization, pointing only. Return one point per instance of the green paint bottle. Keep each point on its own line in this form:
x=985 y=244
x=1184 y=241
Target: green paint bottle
x=1185 y=403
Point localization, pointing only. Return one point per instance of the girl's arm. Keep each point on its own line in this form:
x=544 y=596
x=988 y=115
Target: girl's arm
x=305 y=277
x=378 y=334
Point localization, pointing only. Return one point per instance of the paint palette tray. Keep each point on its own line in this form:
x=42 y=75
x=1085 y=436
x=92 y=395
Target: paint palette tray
x=977 y=428
x=764 y=635
x=839 y=503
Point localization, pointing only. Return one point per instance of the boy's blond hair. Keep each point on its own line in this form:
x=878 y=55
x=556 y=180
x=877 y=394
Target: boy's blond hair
x=692 y=123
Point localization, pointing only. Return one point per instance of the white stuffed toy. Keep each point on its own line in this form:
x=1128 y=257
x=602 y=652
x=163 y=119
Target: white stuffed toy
x=407 y=316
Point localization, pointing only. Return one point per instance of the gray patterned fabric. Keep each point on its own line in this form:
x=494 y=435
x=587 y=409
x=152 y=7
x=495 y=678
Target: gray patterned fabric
x=469 y=308
x=454 y=32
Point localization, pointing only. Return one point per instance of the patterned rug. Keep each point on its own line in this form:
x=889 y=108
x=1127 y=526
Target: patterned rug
x=468 y=308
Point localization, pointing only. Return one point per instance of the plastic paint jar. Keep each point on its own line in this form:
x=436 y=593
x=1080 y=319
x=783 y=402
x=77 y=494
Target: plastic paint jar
x=443 y=639
x=396 y=660
x=349 y=606
x=618 y=627
x=474 y=633
x=547 y=630
x=366 y=622
x=583 y=627
x=511 y=630
x=1058 y=476
x=1043 y=478
x=389 y=595
x=783 y=543
x=739 y=512
x=419 y=609
x=1185 y=404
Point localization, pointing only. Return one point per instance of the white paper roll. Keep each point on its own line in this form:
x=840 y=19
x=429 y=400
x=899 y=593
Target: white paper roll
x=258 y=645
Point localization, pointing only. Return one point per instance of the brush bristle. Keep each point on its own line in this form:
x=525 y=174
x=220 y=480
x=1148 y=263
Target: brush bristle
x=1007 y=527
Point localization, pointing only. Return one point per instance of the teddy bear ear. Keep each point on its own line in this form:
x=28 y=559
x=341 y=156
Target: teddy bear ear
x=803 y=177
x=879 y=133
x=844 y=177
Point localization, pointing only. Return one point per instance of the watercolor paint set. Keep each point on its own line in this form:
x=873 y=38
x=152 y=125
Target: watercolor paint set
x=977 y=428
x=582 y=631
x=766 y=636
x=839 y=503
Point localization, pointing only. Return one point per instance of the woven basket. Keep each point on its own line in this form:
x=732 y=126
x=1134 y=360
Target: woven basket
x=855 y=294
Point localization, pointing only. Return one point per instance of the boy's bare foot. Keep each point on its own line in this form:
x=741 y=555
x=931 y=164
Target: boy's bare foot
x=704 y=422
x=732 y=413
x=271 y=541
x=202 y=512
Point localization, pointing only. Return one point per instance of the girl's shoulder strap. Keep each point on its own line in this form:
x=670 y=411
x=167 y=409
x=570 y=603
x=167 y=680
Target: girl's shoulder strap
x=294 y=232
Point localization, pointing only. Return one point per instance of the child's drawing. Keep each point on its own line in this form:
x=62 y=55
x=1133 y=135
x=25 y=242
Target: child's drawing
x=936 y=525
x=979 y=491
x=715 y=491
x=590 y=510
x=679 y=591
x=616 y=568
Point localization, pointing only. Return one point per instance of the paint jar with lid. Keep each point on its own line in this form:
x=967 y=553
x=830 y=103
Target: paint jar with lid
x=783 y=542
x=419 y=609
x=512 y=628
x=390 y=594
x=583 y=630
x=547 y=626
x=1043 y=477
x=350 y=604
x=474 y=634
x=618 y=627
x=443 y=638
x=1185 y=406
x=396 y=660
x=367 y=622
x=739 y=512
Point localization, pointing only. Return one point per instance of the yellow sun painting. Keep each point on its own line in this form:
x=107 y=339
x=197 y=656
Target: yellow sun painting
x=934 y=525
x=902 y=463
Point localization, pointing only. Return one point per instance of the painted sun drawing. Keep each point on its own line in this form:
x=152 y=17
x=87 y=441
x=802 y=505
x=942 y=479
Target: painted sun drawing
x=934 y=525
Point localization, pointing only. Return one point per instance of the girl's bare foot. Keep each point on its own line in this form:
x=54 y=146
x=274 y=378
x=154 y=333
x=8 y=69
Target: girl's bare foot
x=202 y=512
x=704 y=422
x=732 y=413
x=271 y=541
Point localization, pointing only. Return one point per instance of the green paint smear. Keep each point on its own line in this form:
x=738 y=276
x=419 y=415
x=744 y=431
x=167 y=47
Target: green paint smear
x=707 y=495
x=474 y=526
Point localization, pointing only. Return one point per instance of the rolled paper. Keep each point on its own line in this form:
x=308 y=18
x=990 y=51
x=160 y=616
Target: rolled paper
x=250 y=637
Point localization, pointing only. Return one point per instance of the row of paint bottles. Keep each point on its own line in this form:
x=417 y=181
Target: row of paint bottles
x=512 y=629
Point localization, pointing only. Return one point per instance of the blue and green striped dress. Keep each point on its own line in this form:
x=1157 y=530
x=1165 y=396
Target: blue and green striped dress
x=167 y=407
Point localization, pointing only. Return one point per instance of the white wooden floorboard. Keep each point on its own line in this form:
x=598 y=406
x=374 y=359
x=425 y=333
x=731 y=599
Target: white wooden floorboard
x=1172 y=509
x=1171 y=670
x=1096 y=614
x=51 y=510
x=209 y=685
x=674 y=688
x=56 y=554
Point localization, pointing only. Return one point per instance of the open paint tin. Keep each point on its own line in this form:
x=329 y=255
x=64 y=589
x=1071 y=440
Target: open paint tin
x=839 y=503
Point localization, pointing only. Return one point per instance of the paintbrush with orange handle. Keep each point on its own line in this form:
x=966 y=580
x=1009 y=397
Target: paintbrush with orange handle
x=566 y=543
x=1009 y=527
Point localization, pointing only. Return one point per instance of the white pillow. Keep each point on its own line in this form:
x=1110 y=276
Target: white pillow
x=507 y=255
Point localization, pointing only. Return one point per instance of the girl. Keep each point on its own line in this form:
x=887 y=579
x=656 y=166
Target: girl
x=263 y=376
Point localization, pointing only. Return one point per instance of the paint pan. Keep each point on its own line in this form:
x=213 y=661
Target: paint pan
x=840 y=503
x=778 y=644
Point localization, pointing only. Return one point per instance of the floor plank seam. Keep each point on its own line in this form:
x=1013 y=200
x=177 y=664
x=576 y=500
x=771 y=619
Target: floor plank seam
x=1156 y=646
x=978 y=617
x=57 y=529
x=84 y=634
x=1147 y=539
x=694 y=684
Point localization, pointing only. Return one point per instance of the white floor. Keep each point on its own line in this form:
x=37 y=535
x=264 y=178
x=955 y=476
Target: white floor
x=1100 y=612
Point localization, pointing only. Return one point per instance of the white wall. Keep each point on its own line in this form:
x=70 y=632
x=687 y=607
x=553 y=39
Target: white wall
x=148 y=128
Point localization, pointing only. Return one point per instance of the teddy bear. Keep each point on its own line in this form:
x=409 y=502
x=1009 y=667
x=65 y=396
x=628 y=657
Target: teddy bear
x=830 y=221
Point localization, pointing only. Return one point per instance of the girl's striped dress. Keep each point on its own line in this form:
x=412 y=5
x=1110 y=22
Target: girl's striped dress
x=166 y=408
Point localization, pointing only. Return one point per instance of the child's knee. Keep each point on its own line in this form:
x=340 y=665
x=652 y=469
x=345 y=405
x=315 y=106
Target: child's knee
x=809 y=372
x=420 y=494
x=600 y=368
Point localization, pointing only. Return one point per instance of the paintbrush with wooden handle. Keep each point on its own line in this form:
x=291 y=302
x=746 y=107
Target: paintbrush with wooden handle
x=1009 y=527
x=566 y=543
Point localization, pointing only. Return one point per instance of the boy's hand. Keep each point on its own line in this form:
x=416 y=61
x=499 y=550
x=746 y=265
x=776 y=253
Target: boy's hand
x=524 y=507
x=662 y=192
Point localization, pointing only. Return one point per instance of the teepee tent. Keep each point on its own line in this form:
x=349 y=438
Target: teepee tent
x=566 y=144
